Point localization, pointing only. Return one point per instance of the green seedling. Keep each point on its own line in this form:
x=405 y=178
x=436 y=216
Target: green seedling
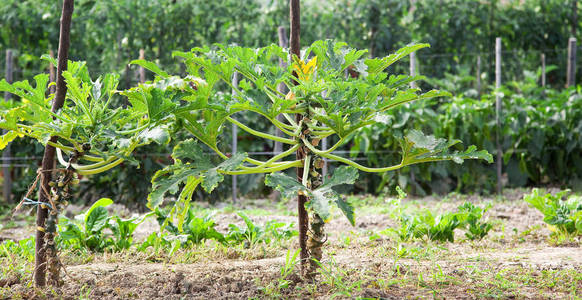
x=564 y=217
x=254 y=234
x=470 y=216
x=90 y=230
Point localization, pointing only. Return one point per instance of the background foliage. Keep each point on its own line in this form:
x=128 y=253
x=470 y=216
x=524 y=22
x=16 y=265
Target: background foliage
x=109 y=33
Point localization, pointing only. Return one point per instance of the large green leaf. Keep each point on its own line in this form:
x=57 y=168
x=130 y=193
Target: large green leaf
x=289 y=187
x=96 y=219
x=150 y=66
x=168 y=180
x=103 y=202
x=157 y=103
x=378 y=65
x=192 y=167
x=418 y=148
x=321 y=198
x=212 y=177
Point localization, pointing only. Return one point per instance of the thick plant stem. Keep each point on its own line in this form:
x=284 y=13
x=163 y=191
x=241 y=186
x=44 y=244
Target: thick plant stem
x=303 y=218
x=316 y=236
x=59 y=199
x=48 y=159
x=315 y=242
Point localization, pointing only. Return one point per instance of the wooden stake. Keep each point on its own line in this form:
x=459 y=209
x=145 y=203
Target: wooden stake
x=142 y=77
x=478 y=75
x=543 y=70
x=413 y=85
x=282 y=88
x=499 y=157
x=52 y=73
x=323 y=148
x=571 y=69
x=413 y=68
x=6 y=154
x=303 y=218
x=49 y=151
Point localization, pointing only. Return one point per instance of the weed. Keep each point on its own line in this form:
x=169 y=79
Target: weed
x=23 y=249
x=254 y=234
x=425 y=225
x=338 y=279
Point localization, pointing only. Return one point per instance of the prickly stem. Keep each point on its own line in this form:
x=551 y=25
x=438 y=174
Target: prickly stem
x=316 y=236
x=59 y=198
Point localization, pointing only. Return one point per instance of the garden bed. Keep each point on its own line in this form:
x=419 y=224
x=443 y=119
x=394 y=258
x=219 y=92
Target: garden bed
x=515 y=260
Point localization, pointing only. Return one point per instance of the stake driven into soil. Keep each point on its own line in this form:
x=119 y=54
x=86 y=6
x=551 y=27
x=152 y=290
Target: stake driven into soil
x=48 y=159
x=311 y=243
x=347 y=106
x=295 y=49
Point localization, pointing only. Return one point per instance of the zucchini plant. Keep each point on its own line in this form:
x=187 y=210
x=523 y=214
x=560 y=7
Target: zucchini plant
x=91 y=136
x=330 y=104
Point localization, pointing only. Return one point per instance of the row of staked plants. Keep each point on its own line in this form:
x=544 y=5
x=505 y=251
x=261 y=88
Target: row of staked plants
x=541 y=126
x=91 y=136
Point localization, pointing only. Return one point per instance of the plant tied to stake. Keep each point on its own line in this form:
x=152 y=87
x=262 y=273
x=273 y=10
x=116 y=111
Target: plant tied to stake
x=92 y=137
x=330 y=104
x=89 y=136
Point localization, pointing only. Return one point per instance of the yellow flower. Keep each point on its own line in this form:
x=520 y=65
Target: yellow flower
x=304 y=70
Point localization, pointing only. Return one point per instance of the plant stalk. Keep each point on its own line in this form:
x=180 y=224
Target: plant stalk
x=59 y=199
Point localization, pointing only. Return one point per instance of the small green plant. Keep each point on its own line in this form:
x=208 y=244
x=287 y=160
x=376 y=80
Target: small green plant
x=23 y=248
x=89 y=230
x=425 y=224
x=564 y=217
x=288 y=268
x=195 y=230
x=162 y=242
x=471 y=216
x=274 y=288
x=441 y=227
x=254 y=234
x=340 y=280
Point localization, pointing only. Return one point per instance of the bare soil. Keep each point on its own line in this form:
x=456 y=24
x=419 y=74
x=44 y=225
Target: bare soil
x=516 y=260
